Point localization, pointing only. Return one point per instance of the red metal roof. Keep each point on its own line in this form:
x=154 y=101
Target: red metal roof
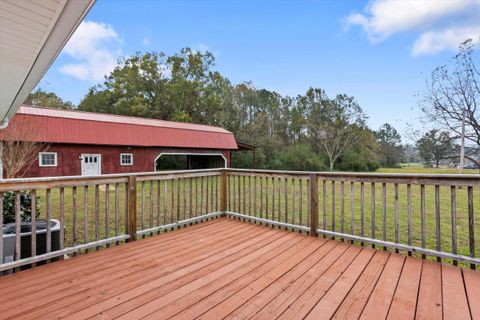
x=65 y=126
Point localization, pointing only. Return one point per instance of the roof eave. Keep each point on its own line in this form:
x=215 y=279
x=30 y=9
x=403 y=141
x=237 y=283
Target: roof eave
x=64 y=26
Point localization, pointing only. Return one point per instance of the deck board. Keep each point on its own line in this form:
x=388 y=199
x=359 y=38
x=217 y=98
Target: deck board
x=228 y=269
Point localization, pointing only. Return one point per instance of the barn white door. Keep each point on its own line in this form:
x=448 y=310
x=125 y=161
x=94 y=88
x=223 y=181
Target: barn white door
x=91 y=164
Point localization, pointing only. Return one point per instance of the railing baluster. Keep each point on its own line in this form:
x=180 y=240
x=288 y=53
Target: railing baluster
x=97 y=214
x=196 y=196
x=184 y=198
x=190 y=191
x=33 y=237
x=384 y=213
x=126 y=208
x=165 y=199
x=229 y=182
x=324 y=195
x=142 y=206
x=471 y=227
x=342 y=206
x=201 y=195
x=244 y=199
x=18 y=243
x=397 y=216
x=286 y=200
x=74 y=215
x=362 y=209
x=107 y=212
x=85 y=215
x=373 y=211
x=437 y=221
x=117 y=213
x=300 y=205
x=273 y=199
x=293 y=201
x=453 y=194
x=206 y=193
x=409 y=216
x=178 y=199
x=234 y=193
x=255 y=196
x=216 y=193
x=159 y=197
x=261 y=197
x=333 y=205
x=423 y=216
x=266 y=197
x=279 y=199
x=249 y=195
x=49 y=218
x=172 y=203
x=150 y=194
x=352 y=208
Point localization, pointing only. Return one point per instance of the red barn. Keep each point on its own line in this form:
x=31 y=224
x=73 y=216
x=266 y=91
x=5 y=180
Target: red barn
x=85 y=143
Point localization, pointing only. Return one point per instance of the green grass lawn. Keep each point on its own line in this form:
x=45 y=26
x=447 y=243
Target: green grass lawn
x=281 y=204
x=416 y=168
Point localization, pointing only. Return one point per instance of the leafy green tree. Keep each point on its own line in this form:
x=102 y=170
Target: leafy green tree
x=435 y=145
x=42 y=98
x=390 y=149
x=186 y=87
x=335 y=125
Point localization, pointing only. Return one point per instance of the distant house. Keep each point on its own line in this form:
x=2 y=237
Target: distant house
x=85 y=143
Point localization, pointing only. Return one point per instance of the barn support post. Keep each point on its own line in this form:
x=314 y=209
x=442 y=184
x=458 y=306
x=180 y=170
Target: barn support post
x=132 y=207
x=223 y=190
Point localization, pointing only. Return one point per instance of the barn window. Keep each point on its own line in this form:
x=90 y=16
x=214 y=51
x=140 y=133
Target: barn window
x=47 y=159
x=126 y=159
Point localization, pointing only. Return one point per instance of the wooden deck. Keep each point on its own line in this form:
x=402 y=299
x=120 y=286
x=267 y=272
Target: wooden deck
x=231 y=269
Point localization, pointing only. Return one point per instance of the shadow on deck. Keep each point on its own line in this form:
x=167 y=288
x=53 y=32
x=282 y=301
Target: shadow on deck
x=230 y=269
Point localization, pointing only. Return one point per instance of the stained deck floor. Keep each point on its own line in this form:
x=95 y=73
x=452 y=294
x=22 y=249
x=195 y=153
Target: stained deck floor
x=231 y=269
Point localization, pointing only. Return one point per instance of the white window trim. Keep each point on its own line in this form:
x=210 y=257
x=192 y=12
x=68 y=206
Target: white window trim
x=47 y=165
x=126 y=154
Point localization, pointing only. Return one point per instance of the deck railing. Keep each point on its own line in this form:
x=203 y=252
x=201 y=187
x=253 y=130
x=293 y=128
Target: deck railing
x=97 y=212
x=427 y=215
x=424 y=214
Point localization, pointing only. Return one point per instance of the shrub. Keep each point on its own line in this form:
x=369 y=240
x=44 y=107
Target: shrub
x=25 y=207
x=353 y=161
x=297 y=157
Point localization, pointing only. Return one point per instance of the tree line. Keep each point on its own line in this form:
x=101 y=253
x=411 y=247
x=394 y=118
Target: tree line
x=311 y=131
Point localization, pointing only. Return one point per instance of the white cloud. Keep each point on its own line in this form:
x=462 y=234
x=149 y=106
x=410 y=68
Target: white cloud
x=431 y=18
x=96 y=47
x=435 y=41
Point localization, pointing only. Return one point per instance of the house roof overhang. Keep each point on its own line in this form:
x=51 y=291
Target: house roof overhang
x=32 y=34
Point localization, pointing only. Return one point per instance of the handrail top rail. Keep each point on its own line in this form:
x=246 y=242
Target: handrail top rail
x=105 y=176
x=444 y=176
x=123 y=177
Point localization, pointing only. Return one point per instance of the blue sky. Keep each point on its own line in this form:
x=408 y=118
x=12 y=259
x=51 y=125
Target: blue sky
x=379 y=51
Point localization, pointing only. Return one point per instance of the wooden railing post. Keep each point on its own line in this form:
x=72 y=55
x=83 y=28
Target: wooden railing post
x=132 y=207
x=313 y=205
x=223 y=190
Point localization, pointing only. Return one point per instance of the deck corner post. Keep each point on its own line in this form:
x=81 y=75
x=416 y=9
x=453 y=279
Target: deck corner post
x=313 y=205
x=132 y=207
x=223 y=195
